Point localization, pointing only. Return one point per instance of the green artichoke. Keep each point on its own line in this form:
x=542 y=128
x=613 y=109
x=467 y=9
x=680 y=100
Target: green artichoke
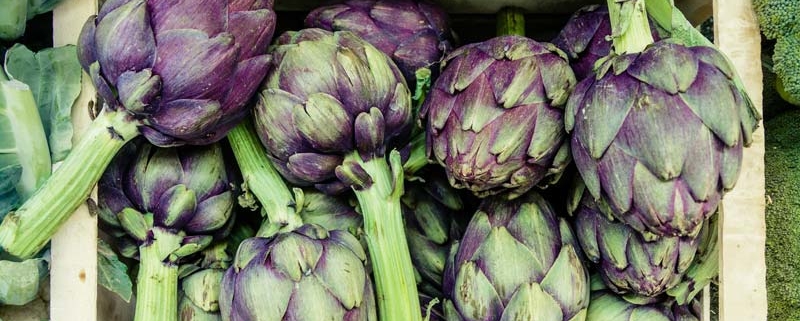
x=627 y=261
x=517 y=261
x=608 y=306
x=659 y=144
x=306 y=274
x=330 y=212
x=495 y=117
x=328 y=113
x=430 y=209
x=199 y=299
x=170 y=203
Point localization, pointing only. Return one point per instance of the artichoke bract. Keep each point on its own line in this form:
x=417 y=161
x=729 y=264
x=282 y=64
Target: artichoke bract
x=585 y=38
x=517 y=260
x=627 y=261
x=659 y=144
x=495 y=117
x=196 y=63
x=170 y=202
x=177 y=72
x=306 y=274
x=415 y=34
x=328 y=113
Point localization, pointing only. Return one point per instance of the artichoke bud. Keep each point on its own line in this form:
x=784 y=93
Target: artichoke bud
x=351 y=173
x=175 y=206
x=135 y=224
x=202 y=288
x=369 y=134
x=138 y=90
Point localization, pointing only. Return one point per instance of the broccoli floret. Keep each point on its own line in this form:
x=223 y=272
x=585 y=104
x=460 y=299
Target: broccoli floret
x=782 y=173
x=786 y=65
x=780 y=20
x=777 y=17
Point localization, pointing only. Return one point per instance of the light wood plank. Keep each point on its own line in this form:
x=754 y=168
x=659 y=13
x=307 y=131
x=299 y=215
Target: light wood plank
x=73 y=271
x=743 y=293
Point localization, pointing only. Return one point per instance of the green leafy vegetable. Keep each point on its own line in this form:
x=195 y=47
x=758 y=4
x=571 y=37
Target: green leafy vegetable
x=20 y=281
x=54 y=77
x=112 y=274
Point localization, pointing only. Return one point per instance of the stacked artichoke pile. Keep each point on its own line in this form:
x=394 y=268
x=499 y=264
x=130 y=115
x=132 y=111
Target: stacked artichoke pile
x=374 y=207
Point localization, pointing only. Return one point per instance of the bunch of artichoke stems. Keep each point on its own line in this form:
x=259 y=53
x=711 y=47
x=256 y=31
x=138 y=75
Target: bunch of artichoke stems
x=367 y=214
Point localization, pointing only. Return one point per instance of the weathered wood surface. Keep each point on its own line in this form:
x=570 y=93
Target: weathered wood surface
x=743 y=294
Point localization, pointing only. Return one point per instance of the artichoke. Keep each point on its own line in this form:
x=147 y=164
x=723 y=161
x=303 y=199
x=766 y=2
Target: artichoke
x=306 y=274
x=660 y=145
x=495 y=115
x=199 y=299
x=196 y=65
x=606 y=306
x=585 y=38
x=430 y=209
x=517 y=261
x=627 y=261
x=177 y=72
x=330 y=212
x=170 y=203
x=415 y=34
x=328 y=112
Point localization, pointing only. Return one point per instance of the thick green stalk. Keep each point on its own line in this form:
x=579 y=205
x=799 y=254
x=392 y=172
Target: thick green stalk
x=261 y=177
x=157 y=282
x=393 y=271
x=630 y=28
x=26 y=231
x=510 y=21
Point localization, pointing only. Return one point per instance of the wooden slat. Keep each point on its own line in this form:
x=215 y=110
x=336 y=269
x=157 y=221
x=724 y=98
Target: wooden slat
x=73 y=270
x=743 y=293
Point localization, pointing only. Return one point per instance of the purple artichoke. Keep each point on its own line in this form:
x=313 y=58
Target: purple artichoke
x=170 y=203
x=627 y=261
x=495 y=115
x=178 y=72
x=659 y=144
x=517 y=261
x=306 y=274
x=585 y=38
x=415 y=34
x=187 y=68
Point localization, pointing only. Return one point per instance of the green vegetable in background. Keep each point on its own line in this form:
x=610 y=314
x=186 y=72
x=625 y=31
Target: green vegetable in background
x=782 y=172
x=16 y=13
x=778 y=20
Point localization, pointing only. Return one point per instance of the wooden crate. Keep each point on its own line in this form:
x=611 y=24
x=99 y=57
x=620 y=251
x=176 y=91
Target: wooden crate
x=74 y=292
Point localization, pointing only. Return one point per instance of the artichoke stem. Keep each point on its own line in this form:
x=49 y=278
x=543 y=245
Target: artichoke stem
x=26 y=231
x=261 y=177
x=398 y=299
x=511 y=21
x=630 y=27
x=157 y=282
